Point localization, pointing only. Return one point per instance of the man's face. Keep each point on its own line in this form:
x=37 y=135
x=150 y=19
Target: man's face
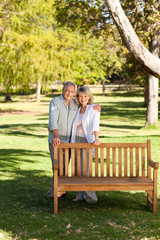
x=68 y=93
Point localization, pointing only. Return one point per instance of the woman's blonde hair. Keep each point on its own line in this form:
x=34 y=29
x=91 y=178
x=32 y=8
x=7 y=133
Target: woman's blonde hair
x=87 y=91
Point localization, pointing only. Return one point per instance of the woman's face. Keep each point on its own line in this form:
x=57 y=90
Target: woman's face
x=83 y=98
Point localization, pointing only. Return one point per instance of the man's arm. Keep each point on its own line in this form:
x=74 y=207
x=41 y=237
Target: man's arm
x=56 y=140
x=97 y=107
x=53 y=122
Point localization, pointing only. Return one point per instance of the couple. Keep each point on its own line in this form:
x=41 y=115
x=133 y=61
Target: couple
x=73 y=121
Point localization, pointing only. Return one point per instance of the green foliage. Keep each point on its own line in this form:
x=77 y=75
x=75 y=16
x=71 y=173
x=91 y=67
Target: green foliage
x=34 y=49
x=144 y=16
x=93 y=16
x=88 y=16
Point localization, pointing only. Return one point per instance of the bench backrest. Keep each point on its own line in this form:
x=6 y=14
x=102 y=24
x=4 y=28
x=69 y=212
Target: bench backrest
x=110 y=160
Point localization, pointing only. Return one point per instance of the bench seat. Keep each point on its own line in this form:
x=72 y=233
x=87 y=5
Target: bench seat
x=104 y=184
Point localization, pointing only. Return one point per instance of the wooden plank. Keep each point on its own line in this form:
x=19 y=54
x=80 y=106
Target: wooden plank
x=72 y=162
x=66 y=161
x=61 y=162
x=102 y=145
x=148 y=158
x=84 y=162
x=108 y=161
x=96 y=162
x=143 y=161
x=125 y=162
x=102 y=162
x=90 y=162
x=104 y=184
x=113 y=162
x=120 y=161
x=56 y=182
x=78 y=162
x=139 y=187
x=106 y=181
x=137 y=162
x=131 y=162
x=55 y=192
x=155 y=176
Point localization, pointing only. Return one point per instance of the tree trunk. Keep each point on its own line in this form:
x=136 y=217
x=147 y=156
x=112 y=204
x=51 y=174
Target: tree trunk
x=152 y=107
x=38 y=93
x=103 y=87
x=146 y=93
x=8 y=98
x=150 y=62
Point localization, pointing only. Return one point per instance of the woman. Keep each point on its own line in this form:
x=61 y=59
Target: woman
x=85 y=130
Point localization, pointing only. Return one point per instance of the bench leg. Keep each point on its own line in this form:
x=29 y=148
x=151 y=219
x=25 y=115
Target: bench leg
x=149 y=198
x=152 y=200
x=155 y=200
x=55 y=203
x=56 y=192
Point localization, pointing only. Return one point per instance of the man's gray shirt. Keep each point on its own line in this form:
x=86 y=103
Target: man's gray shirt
x=61 y=117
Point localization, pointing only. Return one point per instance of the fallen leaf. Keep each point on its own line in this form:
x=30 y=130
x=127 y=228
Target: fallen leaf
x=68 y=226
x=132 y=224
x=89 y=210
x=78 y=231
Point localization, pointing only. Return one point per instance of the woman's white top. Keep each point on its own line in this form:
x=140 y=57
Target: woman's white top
x=90 y=123
x=79 y=128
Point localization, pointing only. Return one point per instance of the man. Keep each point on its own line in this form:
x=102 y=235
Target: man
x=62 y=111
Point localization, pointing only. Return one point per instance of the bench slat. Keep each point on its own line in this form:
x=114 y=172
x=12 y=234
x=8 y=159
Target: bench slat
x=137 y=162
x=66 y=161
x=72 y=162
x=102 y=162
x=78 y=162
x=61 y=162
x=90 y=162
x=114 y=162
x=120 y=161
x=143 y=161
x=96 y=162
x=131 y=162
x=125 y=162
x=108 y=162
x=84 y=162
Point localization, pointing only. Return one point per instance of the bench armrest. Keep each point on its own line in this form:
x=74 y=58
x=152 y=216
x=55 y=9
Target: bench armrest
x=153 y=164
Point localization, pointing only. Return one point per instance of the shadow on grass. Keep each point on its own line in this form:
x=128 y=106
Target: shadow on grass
x=130 y=93
x=128 y=110
x=120 y=126
x=26 y=213
x=13 y=157
x=23 y=129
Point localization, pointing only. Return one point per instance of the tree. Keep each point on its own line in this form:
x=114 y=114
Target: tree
x=145 y=16
x=24 y=25
x=98 y=11
x=94 y=16
x=150 y=62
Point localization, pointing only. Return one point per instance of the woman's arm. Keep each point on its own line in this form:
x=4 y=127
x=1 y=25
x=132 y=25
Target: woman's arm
x=96 y=134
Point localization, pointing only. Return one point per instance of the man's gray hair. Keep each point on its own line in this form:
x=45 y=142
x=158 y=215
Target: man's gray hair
x=68 y=84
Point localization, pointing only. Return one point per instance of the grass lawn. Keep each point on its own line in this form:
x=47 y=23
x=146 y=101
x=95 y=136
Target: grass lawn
x=25 y=174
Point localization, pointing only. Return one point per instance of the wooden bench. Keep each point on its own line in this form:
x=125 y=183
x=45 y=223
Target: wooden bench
x=115 y=167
